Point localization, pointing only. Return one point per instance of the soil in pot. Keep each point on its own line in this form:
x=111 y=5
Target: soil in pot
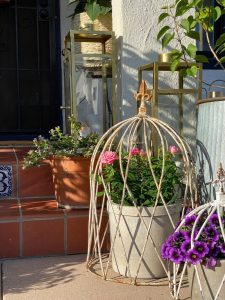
x=210 y=281
x=130 y=239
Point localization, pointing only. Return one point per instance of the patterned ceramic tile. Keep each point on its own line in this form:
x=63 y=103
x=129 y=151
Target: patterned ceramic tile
x=5 y=181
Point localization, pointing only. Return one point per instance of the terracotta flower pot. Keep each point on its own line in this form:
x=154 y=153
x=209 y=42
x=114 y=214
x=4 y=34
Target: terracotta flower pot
x=71 y=181
x=210 y=281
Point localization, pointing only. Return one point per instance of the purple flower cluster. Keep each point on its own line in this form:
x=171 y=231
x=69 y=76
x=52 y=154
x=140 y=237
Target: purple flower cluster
x=209 y=246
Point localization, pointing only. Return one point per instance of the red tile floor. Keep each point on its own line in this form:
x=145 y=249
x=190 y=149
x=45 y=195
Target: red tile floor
x=31 y=224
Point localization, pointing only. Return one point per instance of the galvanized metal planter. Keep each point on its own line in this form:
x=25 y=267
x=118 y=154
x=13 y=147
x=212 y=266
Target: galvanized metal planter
x=210 y=143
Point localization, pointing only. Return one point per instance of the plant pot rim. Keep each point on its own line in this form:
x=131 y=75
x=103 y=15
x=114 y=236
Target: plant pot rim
x=144 y=210
x=72 y=158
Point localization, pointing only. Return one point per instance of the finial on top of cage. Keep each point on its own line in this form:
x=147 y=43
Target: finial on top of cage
x=142 y=95
x=219 y=182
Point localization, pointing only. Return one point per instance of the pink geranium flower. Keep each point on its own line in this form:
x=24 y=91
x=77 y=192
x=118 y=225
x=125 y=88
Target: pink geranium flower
x=174 y=149
x=135 y=151
x=108 y=157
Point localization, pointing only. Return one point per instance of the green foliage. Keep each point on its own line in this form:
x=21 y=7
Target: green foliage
x=93 y=8
x=180 y=14
x=60 y=144
x=140 y=180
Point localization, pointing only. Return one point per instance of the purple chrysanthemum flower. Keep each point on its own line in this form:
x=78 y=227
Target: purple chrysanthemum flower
x=211 y=262
x=214 y=220
x=201 y=248
x=179 y=236
x=175 y=256
x=189 y=221
x=165 y=251
x=193 y=257
x=185 y=247
x=212 y=233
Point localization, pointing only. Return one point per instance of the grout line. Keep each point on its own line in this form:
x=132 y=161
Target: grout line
x=17 y=174
x=1 y=284
x=51 y=197
x=20 y=229
x=65 y=233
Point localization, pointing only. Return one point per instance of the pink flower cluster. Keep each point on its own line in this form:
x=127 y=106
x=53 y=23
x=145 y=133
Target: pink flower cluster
x=108 y=157
x=136 y=151
x=174 y=149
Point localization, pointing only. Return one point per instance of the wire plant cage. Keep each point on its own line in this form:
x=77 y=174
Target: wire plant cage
x=125 y=235
x=204 y=261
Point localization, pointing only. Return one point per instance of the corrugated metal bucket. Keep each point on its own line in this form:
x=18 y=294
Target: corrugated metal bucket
x=210 y=143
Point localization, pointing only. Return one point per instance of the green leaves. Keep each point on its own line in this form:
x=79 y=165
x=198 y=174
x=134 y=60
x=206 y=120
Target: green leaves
x=162 y=31
x=191 y=50
x=140 y=179
x=163 y=16
x=201 y=59
x=192 y=71
x=221 y=2
x=94 y=8
x=216 y=13
x=166 y=39
x=184 y=23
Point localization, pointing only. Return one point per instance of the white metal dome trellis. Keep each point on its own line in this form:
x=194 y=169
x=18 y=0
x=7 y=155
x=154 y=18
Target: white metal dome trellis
x=149 y=134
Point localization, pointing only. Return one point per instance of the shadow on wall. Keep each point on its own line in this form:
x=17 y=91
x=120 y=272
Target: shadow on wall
x=129 y=59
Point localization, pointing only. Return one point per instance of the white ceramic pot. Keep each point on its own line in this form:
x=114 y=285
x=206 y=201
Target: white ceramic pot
x=210 y=281
x=130 y=238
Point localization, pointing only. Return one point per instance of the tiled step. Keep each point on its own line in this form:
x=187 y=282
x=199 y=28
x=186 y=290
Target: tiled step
x=37 y=227
x=31 y=224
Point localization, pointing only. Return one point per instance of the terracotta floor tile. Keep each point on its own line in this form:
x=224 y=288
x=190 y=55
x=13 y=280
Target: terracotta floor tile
x=9 y=237
x=43 y=237
x=77 y=235
x=9 y=210
x=40 y=208
x=36 y=181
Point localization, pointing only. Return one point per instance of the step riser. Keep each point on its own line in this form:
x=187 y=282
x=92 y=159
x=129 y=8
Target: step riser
x=31 y=224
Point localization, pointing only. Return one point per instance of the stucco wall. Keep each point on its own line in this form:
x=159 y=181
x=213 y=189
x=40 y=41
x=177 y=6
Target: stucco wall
x=136 y=26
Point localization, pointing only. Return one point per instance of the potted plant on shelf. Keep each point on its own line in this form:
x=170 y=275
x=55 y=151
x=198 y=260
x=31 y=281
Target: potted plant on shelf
x=70 y=161
x=95 y=13
x=184 y=20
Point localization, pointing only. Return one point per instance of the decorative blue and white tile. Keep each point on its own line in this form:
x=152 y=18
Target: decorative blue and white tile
x=5 y=181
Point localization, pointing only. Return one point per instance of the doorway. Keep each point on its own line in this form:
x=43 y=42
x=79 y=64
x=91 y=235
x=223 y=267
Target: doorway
x=30 y=72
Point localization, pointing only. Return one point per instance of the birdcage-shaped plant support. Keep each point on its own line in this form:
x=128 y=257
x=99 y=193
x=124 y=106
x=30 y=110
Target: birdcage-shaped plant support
x=143 y=189
x=197 y=248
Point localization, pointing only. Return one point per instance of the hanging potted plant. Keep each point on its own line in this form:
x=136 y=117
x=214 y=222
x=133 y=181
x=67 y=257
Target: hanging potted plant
x=198 y=245
x=70 y=161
